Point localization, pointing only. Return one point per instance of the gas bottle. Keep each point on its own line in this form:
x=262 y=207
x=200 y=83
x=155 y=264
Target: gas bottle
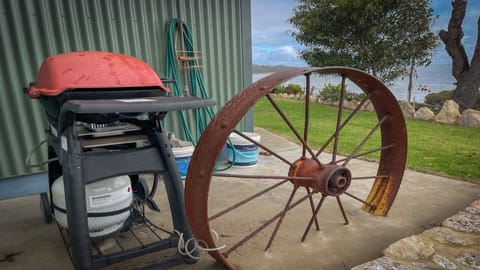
x=108 y=201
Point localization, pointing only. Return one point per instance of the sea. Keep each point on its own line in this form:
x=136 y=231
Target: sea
x=431 y=79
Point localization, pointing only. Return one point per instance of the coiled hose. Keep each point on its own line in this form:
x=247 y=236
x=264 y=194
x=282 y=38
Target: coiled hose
x=202 y=116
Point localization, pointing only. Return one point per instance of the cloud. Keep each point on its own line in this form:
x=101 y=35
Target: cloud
x=277 y=38
x=282 y=55
x=272 y=43
x=269 y=22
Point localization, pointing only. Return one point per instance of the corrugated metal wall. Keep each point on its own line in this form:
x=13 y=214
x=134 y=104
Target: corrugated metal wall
x=30 y=30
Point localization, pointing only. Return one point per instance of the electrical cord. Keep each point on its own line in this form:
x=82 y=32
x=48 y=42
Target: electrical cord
x=28 y=159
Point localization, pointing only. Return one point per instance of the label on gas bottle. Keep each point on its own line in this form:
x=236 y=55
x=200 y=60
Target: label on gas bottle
x=107 y=199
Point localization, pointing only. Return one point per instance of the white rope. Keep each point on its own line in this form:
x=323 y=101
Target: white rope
x=185 y=251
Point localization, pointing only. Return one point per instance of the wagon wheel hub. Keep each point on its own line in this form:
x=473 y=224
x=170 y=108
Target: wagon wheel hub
x=329 y=179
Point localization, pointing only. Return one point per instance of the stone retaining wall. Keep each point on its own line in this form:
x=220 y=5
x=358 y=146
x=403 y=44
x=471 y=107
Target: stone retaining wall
x=455 y=244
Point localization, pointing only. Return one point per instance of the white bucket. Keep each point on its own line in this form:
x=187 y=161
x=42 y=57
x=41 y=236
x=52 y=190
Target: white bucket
x=244 y=153
x=183 y=155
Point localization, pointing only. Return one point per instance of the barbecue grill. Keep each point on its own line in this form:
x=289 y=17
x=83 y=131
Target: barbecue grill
x=105 y=112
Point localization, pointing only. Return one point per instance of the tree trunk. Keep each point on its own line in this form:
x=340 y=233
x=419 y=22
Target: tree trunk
x=467 y=76
x=467 y=88
x=410 y=80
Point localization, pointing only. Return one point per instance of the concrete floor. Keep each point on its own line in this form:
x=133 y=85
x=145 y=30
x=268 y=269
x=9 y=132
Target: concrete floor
x=423 y=201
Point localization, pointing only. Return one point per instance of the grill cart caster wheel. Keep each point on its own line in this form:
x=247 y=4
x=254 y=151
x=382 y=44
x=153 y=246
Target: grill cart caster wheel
x=45 y=208
x=317 y=172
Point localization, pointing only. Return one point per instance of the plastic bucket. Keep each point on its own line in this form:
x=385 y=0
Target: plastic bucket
x=183 y=155
x=243 y=154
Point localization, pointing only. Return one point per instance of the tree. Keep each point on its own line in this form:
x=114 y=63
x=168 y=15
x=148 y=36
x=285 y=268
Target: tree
x=378 y=36
x=417 y=43
x=466 y=74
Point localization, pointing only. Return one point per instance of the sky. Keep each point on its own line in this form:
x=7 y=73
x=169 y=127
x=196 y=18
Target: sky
x=273 y=45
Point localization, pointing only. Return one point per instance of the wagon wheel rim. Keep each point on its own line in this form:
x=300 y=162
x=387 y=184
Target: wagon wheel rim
x=334 y=180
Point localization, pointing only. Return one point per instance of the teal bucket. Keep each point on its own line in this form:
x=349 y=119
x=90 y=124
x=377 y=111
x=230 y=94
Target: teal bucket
x=183 y=156
x=243 y=153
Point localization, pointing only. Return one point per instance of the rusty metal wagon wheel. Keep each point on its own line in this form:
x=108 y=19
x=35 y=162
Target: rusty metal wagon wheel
x=308 y=172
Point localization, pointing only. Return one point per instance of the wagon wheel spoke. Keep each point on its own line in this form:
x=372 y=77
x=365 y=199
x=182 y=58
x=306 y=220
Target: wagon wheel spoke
x=370 y=177
x=261 y=176
x=350 y=116
x=360 y=200
x=339 y=119
x=270 y=151
x=307 y=113
x=342 y=210
x=300 y=168
x=292 y=128
x=246 y=200
x=312 y=206
x=364 y=140
x=364 y=153
x=256 y=195
x=279 y=222
x=314 y=216
x=266 y=224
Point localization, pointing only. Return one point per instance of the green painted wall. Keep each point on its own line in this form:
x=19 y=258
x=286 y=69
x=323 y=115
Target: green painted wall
x=31 y=30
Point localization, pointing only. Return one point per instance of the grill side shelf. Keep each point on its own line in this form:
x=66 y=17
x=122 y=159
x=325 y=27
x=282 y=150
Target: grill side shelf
x=150 y=104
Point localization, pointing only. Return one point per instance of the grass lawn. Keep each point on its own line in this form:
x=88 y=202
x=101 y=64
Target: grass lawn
x=434 y=148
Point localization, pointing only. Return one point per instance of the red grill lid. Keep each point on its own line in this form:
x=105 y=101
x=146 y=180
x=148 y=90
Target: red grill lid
x=92 y=69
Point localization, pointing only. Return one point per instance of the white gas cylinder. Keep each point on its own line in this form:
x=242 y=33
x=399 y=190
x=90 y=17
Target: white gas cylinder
x=108 y=204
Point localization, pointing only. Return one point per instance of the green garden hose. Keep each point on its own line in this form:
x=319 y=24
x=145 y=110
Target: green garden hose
x=194 y=82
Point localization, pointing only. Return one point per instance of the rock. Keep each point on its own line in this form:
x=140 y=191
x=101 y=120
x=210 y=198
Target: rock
x=470 y=118
x=352 y=104
x=476 y=204
x=473 y=211
x=446 y=235
x=285 y=95
x=424 y=113
x=368 y=106
x=449 y=114
x=444 y=262
x=410 y=248
x=463 y=222
x=381 y=264
x=469 y=259
x=420 y=265
x=328 y=102
x=407 y=108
